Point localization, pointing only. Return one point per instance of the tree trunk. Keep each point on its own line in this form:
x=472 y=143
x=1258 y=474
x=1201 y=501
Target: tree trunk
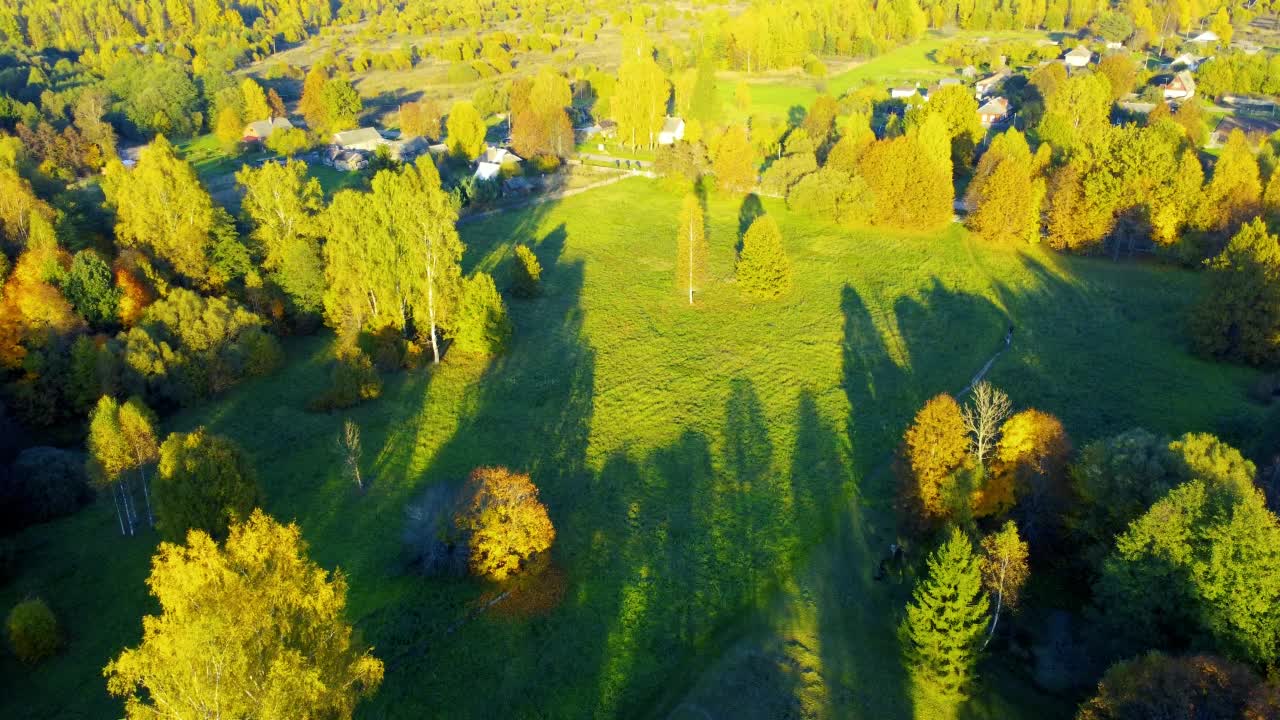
x=995 y=618
x=690 y=262
x=115 y=498
x=431 y=304
x=146 y=495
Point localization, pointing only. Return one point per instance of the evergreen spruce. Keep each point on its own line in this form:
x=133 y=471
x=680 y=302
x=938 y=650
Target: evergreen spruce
x=763 y=268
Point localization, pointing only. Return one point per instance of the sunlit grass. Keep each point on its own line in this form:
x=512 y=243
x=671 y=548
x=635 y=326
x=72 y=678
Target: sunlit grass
x=715 y=473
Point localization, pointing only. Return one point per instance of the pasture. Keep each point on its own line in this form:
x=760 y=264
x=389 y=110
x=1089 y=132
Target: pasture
x=716 y=473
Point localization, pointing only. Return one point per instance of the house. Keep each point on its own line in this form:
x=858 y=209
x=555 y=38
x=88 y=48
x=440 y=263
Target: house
x=988 y=85
x=1188 y=61
x=1181 y=87
x=1113 y=45
x=438 y=149
x=902 y=93
x=348 y=161
x=487 y=170
x=1208 y=37
x=948 y=81
x=498 y=156
x=608 y=129
x=261 y=130
x=993 y=111
x=362 y=139
x=672 y=130
x=1078 y=57
x=969 y=71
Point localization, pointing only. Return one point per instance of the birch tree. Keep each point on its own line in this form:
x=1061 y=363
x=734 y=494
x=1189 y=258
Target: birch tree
x=110 y=457
x=1004 y=570
x=691 y=246
x=137 y=426
x=983 y=418
x=640 y=105
x=349 y=446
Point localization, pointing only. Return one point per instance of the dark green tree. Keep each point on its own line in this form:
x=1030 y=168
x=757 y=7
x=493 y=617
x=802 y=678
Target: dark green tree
x=206 y=483
x=90 y=286
x=1238 y=316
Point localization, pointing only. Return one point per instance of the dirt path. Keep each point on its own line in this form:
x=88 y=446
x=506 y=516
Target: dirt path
x=551 y=196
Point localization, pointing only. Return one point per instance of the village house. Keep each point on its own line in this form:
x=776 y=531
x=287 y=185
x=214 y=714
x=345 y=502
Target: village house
x=1181 y=87
x=498 y=156
x=256 y=132
x=487 y=170
x=1208 y=37
x=361 y=139
x=672 y=131
x=1188 y=61
x=990 y=84
x=902 y=93
x=993 y=112
x=1078 y=57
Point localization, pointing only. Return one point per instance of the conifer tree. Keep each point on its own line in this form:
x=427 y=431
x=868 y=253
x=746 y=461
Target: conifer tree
x=528 y=273
x=946 y=618
x=1238 y=315
x=256 y=106
x=705 y=105
x=763 y=270
x=228 y=128
x=691 y=246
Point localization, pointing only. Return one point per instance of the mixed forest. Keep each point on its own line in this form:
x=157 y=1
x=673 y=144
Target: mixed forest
x=844 y=400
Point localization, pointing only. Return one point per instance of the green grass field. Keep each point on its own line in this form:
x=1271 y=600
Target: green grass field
x=716 y=473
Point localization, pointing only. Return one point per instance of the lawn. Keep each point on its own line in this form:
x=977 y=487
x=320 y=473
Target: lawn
x=715 y=473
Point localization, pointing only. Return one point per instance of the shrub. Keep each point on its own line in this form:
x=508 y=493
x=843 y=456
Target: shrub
x=481 y=327
x=353 y=381
x=460 y=72
x=527 y=276
x=45 y=483
x=33 y=631
x=545 y=163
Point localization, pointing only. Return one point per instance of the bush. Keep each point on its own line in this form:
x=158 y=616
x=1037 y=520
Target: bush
x=353 y=381
x=387 y=349
x=544 y=164
x=527 y=276
x=44 y=483
x=33 y=631
x=481 y=327
x=460 y=72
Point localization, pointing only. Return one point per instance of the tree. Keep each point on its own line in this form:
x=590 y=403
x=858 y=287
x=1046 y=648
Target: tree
x=1121 y=73
x=763 y=270
x=935 y=447
x=312 y=105
x=1029 y=474
x=229 y=129
x=33 y=631
x=639 y=104
x=956 y=107
x=342 y=105
x=1221 y=26
x=1077 y=114
x=466 y=131
x=250 y=629
x=1004 y=570
x=527 y=272
x=912 y=189
x=691 y=246
x=820 y=120
x=256 y=106
x=420 y=119
x=480 y=326
x=110 y=457
x=90 y=288
x=1156 y=686
x=1204 y=561
x=505 y=521
x=984 y=418
x=705 y=104
x=1234 y=192
x=282 y=204
x=1006 y=193
x=1238 y=314
x=162 y=208
x=946 y=618
x=288 y=141
x=206 y=483
x=349 y=447
x=734 y=162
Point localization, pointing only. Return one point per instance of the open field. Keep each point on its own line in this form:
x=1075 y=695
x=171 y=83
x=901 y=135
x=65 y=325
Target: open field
x=715 y=473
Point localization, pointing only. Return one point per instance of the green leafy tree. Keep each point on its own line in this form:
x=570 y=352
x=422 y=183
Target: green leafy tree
x=121 y=440
x=1121 y=73
x=705 y=103
x=250 y=629
x=342 y=105
x=480 y=325
x=256 y=106
x=33 y=631
x=466 y=131
x=1234 y=193
x=162 y=208
x=1077 y=114
x=1238 y=314
x=206 y=483
x=946 y=618
x=288 y=141
x=691 y=247
x=282 y=204
x=229 y=129
x=527 y=272
x=763 y=269
x=90 y=288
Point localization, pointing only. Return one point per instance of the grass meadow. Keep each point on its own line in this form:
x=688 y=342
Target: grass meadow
x=716 y=473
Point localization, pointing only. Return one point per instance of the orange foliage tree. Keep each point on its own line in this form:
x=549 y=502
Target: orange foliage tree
x=505 y=520
x=935 y=447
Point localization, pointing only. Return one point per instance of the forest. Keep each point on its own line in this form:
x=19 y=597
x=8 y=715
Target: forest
x=822 y=359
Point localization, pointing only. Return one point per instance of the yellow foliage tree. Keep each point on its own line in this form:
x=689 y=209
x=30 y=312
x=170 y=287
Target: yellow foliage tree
x=506 y=521
x=251 y=629
x=1033 y=451
x=936 y=447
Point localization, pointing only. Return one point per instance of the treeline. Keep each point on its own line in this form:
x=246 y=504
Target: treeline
x=1173 y=542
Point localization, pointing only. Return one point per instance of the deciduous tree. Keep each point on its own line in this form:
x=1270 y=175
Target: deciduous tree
x=250 y=629
x=506 y=522
x=1004 y=570
x=935 y=447
x=734 y=162
x=480 y=325
x=466 y=131
x=206 y=483
x=1238 y=315
x=1006 y=193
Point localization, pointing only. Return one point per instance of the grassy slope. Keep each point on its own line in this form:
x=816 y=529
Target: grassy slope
x=711 y=471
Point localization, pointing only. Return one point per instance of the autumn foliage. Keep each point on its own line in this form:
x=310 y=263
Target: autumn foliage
x=506 y=522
